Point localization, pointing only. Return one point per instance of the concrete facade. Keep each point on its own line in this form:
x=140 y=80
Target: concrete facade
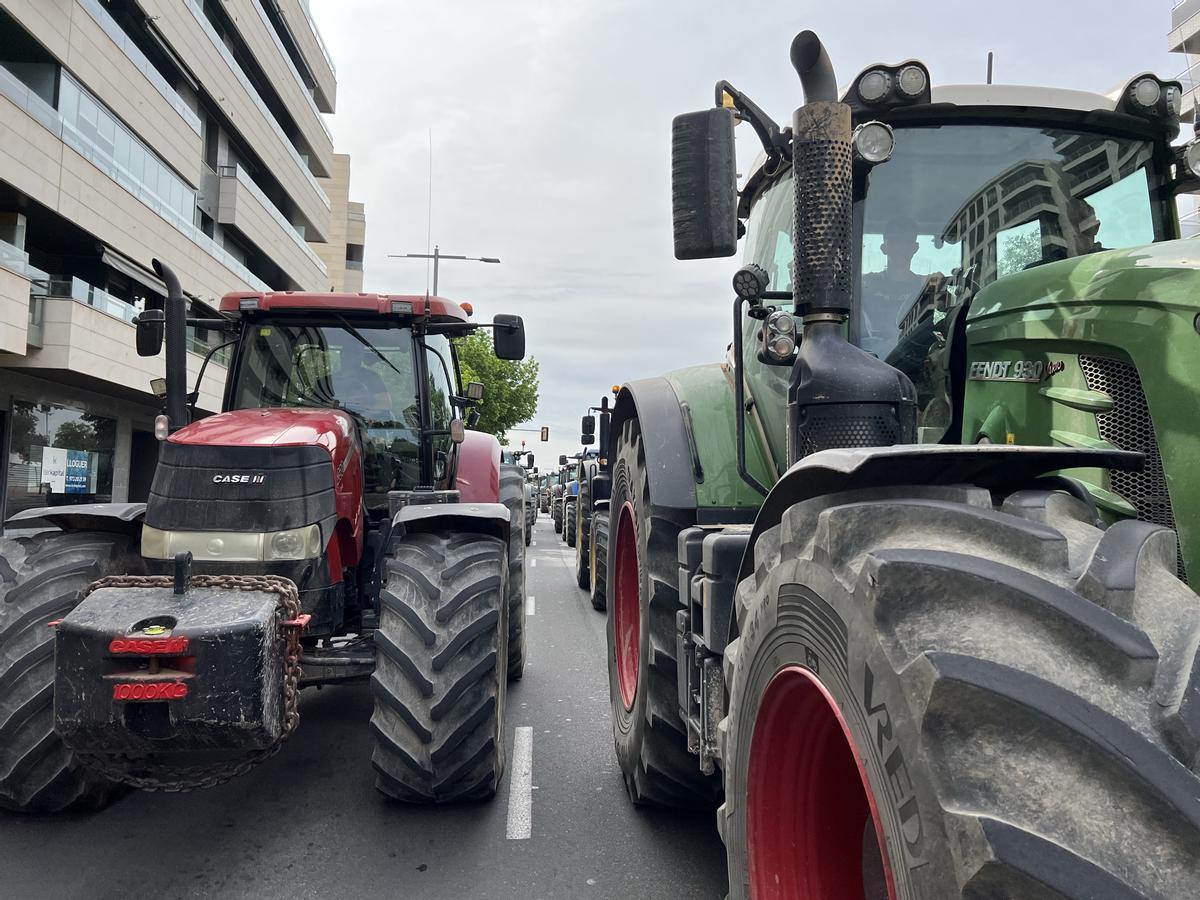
x=1184 y=38
x=342 y=253
x=190 y=131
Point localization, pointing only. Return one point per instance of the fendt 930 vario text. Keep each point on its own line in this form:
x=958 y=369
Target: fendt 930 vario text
x=846 y=591
x=337 y=522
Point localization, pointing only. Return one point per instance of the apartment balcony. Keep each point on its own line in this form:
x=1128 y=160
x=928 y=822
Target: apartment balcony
x=184 y=26
x=87 y=340
x=298 y=18
x=260 y=36
x=242 y=205
x=86 y=39
x=14 y=308
x=85 y=182
x=1185 y=24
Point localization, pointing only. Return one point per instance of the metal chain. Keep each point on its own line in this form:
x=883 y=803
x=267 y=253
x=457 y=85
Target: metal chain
x=170 y=777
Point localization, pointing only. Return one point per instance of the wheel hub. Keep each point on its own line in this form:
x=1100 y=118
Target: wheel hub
x=627 y=610
x=812 y=828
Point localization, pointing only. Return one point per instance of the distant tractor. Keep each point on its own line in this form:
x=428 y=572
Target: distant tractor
x=910 y=652
x=335 y=523
x=591 y=541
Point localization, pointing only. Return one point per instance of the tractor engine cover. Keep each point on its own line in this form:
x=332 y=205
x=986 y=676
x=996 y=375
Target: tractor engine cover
x=141 y=670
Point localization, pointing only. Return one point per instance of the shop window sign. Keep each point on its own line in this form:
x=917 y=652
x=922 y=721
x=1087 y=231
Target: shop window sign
x=59 y=455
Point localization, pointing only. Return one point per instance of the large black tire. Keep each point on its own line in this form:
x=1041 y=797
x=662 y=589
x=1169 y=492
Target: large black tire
x=512 y=495
x=583 y=561
x=42 y=578
x=570 y=523
x=441 y=655
x=1020 y=687
x=651 y=743
x=557 y=516
x=599 y=556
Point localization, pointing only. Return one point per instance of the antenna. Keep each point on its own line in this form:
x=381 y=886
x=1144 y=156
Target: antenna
x=429 y=212
x=989 y=72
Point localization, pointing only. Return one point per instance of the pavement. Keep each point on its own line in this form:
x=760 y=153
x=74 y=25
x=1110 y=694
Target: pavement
x=309 y=823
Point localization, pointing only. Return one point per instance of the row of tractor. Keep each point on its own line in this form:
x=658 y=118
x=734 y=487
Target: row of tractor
x=899 y=586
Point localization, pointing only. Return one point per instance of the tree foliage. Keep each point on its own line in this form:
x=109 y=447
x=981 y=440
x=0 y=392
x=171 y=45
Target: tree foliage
x=510 y=387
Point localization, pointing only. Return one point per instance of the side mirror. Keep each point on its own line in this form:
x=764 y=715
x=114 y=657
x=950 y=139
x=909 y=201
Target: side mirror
x=704 y=184
x=474 y=390
x=509 y=337
x=587 y=430
x=529 y=460
x=562 y=459
x=151 y=325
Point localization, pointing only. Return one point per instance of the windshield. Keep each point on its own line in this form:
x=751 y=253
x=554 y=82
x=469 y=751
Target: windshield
x=364 y=369
x=958 y=206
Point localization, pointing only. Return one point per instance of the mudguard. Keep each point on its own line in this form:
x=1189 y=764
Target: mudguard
x=486 y=518
x=124 y=518
x=998 y=467
x=477 y=474
x=668 y=457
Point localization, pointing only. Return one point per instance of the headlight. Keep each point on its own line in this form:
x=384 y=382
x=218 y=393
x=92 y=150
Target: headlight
x=1145 y=92
x=912 y=81
x=233 y=546
x=874 y=142
x=874 y=86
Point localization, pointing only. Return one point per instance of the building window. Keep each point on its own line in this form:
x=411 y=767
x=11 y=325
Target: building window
x=59 y=456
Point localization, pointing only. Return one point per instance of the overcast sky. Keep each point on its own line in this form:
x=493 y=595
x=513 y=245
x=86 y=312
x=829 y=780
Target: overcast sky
x=550 y=126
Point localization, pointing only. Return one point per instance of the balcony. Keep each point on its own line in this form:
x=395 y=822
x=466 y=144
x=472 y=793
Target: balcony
x=243 y=205
x=264 y=43
x=88 y=341
x=1185 y=23
x=200 y=47
x=298 y=18
x=356 y=224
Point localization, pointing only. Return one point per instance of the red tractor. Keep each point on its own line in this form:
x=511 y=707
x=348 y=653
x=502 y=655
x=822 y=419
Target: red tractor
x=336 y=522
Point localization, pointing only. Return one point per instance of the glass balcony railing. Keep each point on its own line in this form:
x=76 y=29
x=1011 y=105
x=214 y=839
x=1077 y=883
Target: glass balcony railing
x=68 y=287
x=354 y=264
x=197 y=12
x=293 y=231
x=138 y=58
x=312 y=24
x=87 y=127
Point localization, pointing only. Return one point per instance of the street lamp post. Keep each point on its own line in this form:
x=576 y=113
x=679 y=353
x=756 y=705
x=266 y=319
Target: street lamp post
x=437 y=255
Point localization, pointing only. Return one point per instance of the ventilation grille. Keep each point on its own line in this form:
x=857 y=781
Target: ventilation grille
x=826 y=430
x=1129 y=427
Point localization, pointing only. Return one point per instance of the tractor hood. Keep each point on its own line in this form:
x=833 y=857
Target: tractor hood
x=329 y=428
x=1162 y=276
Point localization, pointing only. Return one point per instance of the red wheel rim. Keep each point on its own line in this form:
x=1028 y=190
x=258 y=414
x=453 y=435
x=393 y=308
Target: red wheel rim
x=810 y=814
x=627 y=607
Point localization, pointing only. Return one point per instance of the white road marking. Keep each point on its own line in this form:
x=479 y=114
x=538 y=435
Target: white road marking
x=532 y=563
x=530 y=605
x=520 y=786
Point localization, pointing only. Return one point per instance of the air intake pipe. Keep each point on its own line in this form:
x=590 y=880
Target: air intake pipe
x=838 y=394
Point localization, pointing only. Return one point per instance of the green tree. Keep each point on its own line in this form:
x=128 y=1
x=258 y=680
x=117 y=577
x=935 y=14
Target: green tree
x=510 y=387
x=1018 y=251
x=76 y=434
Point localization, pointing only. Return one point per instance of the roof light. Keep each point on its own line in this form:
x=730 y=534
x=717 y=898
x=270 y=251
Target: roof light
x=912 y=81
x=162 y=427
x=402 y=308
x=468 y=308
x=247 y=304
x=1146 y=92
x=874 y=86
x=874 y=142
x=1191 y=157
x=1174 y=99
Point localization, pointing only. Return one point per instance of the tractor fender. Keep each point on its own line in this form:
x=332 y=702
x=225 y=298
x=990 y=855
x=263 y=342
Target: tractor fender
x=655 y=404
x=998 y=467
x=477 y=472
x=483 y=518
x=122 y=518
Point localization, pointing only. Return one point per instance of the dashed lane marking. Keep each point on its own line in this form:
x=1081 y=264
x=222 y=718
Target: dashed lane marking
x=530 y=605
x=532 y=563
x=520 y=786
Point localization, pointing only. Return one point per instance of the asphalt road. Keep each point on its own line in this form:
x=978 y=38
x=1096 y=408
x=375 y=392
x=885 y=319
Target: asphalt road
x=308 y=823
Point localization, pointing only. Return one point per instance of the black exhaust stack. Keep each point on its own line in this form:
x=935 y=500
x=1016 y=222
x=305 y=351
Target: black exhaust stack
x=175 y=328
x=839 y=395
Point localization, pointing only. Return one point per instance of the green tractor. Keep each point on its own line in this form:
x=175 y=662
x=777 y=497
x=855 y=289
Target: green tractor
x=895 y=583
x=593 y=476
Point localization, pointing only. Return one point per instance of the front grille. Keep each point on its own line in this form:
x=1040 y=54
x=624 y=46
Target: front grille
x=1129 y=427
